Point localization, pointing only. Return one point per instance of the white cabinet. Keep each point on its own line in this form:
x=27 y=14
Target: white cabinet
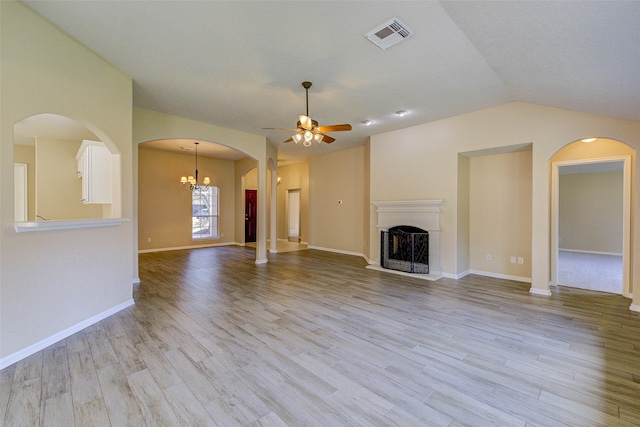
x=95 y=168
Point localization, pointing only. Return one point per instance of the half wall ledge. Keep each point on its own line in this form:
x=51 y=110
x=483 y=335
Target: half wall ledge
x=25 y=227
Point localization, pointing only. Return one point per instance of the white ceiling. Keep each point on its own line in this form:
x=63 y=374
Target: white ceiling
x=240 y=64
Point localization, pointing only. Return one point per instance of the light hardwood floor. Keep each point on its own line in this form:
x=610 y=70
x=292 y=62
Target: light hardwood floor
x=314 y=339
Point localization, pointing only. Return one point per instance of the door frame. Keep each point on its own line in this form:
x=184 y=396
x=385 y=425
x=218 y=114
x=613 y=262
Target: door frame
x=246 y=190
x=626 y=215
x=288 y=212
x=20 y=195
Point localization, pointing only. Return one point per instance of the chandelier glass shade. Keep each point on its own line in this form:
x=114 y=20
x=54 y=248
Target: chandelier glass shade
x=307 y=137
x=191 y=181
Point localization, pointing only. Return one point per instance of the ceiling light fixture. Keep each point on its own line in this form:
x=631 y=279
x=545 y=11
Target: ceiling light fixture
x=401 y=112
x=589 y=139
x=367 y=122
x=307 y=129
x=193 y=181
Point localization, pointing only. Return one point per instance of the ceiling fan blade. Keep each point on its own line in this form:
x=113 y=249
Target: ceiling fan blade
x=327 y=139
x=288 y=140
x=335 y=128
x=293 y=129
x=305 y=122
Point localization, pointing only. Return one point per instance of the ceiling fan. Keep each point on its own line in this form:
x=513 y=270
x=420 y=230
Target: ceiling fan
x=308 y=129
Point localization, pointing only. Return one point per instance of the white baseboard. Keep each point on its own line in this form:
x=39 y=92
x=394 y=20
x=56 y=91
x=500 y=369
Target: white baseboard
x=536 y=291
x=136 y=280
x=590 y=252
x=430 y=276
x=41 y=345
x=456 y=276
x=262 y=261
x=179 y=248
x=500 y=276
x=634 y=307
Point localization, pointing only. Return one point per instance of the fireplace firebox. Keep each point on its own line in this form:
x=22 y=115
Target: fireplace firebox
x=405 y=248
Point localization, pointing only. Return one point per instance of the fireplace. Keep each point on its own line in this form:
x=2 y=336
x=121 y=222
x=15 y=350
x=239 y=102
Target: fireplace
x=418 y=217
x=405 y=248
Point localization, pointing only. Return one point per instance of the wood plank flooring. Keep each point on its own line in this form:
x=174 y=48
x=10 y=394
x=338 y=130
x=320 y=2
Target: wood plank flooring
x=314 y=339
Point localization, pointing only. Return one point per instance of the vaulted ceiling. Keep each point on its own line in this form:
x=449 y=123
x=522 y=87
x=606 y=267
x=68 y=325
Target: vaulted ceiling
x=240 y=64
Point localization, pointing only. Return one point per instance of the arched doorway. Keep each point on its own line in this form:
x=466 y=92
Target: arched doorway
x=587 y=154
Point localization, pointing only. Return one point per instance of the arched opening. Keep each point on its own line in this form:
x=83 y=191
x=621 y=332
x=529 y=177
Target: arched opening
x=64 y=170
x=173 y=215
x=607 y=223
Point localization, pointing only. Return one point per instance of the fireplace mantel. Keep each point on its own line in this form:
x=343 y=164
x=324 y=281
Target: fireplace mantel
x=405 y=205
x=424 y=214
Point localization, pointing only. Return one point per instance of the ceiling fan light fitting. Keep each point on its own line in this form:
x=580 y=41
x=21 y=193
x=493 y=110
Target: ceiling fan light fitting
x=308 y=136
x=308 y=129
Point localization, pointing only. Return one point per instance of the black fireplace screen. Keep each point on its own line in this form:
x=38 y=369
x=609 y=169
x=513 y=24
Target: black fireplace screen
x=405 y=248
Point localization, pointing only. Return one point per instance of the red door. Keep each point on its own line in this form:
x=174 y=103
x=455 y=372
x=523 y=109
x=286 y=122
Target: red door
x=250 y=219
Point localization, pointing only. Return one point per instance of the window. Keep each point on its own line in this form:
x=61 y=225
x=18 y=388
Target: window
x=204 y=217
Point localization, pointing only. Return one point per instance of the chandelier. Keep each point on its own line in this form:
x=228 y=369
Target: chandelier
x=193 y=181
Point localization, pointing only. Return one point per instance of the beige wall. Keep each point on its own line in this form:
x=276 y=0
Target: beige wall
x=164 y=207
x=293 y=177
x=590 y=217
x=421 y=162
x=499 y=214
x=463 y=260
x=334 y=177
x=367 y=206
x=58 y=188
x=54 y=281
x=27 y=154
x=251 y=179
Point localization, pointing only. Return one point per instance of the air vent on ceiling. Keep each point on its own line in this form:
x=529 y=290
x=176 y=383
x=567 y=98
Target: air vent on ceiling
x=391 y=32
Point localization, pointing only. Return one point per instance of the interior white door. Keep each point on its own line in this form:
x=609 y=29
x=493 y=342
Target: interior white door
x=294 y=215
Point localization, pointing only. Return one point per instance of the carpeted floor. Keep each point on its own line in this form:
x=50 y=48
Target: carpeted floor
x=590 y=271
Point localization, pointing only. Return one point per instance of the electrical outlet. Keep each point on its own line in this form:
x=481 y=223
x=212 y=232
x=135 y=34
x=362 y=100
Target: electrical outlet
x=148 y=239
x=221 y=234
x=520 y=260
x=488 y=257
x=513 y=260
